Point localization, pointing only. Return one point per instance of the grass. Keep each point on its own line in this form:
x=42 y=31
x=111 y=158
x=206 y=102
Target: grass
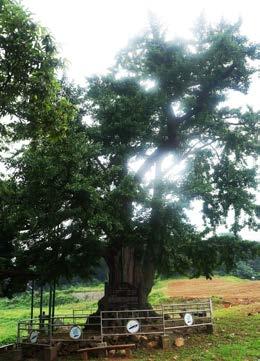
x=236 y=335
x=18 y=308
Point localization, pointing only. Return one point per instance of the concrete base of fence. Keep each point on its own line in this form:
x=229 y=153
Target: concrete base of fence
x=209 y=328
x=50 y=353
x=166 y=343
x=11 y=355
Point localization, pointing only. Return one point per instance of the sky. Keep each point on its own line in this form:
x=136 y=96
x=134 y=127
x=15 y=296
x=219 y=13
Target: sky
x=90 y=33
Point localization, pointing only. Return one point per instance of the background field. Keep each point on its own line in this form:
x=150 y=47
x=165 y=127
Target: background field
x=237 y=327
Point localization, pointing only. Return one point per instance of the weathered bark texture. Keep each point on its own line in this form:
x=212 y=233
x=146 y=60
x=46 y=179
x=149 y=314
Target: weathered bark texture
x=130 y=280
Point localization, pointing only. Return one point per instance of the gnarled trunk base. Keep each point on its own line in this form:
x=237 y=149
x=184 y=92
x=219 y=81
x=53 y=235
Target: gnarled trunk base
x=130 y=281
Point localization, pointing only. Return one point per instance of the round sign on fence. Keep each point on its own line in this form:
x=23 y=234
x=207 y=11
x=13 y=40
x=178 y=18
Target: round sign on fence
x=75 y=332
x=34 y=336
x=188 y=319
x=133 y=326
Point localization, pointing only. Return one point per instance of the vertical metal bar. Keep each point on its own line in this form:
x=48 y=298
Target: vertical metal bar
x=53 y=299
x=53 y=306
x=211 y=310
x=101 y=325
x=163 y=320
x=41 y=297
x=50 y=301
x=32 y=300
x=50 y=312
x=18 y=333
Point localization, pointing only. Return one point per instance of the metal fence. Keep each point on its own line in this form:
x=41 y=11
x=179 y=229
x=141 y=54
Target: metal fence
x=158 y=321
x=83 y=312
x=82 y=326
x=60 y=328
x=189 y=314
x=141 y=322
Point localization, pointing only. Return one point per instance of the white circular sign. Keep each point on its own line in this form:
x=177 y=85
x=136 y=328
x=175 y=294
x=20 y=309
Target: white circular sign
x=75 y=332
x=188 y=319
x=34 y=336
x=133 y=326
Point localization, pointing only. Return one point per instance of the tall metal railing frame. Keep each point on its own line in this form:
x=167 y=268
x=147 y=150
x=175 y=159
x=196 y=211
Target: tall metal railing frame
x=159 y=321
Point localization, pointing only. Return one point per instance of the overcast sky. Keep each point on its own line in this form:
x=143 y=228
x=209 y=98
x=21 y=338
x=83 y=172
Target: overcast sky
x=89 y=33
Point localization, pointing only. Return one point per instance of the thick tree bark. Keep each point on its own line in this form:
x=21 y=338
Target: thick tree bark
x=131 y=276
x=130 y=280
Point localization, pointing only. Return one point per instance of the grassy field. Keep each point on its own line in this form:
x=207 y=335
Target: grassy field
x=236 y=334
x=11 y=311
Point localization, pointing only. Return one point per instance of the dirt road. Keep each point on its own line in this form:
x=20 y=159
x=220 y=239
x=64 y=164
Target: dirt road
x=233 y=291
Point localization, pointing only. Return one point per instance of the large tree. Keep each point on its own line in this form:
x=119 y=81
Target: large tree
x=117 y=183
x=161 y=108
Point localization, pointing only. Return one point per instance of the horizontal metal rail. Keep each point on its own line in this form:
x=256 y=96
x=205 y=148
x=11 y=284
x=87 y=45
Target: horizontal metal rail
x=186 y=326
x=188 y=310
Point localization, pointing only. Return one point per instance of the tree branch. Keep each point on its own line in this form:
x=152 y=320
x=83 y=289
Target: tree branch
x=189 y=152
x=148 y=163
x=173 y=122
x=204 y=93
x=100 y=164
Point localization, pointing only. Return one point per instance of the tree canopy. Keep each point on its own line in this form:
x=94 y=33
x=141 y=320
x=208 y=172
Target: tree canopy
x=113 y=167
x=33 y=106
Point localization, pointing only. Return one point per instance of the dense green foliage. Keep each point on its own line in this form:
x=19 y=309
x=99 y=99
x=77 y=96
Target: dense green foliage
x=166 y=98
x=33 y=106
x=248 y=269
x=30 y=91
x=74 y=195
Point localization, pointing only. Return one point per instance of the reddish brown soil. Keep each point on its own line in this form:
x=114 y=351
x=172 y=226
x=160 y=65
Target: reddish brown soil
x=235 y=292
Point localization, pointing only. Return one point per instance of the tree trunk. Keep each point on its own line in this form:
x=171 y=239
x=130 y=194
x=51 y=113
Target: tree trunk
x=130 y=280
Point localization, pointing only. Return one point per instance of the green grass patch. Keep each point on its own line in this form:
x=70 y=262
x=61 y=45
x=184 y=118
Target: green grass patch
x=18 y=308
x=235 y=338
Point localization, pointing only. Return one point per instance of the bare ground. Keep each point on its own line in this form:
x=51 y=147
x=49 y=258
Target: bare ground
x=231 y=291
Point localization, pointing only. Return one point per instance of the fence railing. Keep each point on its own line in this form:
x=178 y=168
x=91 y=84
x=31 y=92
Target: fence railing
x=162 y=320
x=83 y=312
x=59 y=328
x=141 y=322
x=191 y=314
x=84 y=326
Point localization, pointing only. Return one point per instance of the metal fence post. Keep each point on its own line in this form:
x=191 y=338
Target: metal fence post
x=18 y=333
x=211 y=310
x=101 y=325
x=163 y=320
x=32 y=299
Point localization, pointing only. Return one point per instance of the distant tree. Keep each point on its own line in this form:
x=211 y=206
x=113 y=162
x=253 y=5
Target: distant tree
x=244 y=270
x=255 y=264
